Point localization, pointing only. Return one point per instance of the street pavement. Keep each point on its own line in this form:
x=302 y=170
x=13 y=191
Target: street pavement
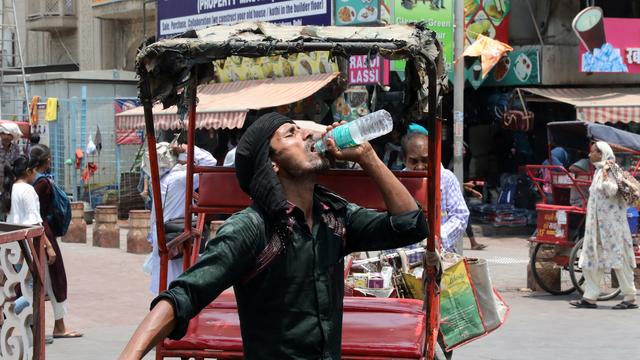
x=108 y=297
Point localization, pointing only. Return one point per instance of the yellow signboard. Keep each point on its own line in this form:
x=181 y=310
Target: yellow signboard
x=237 y=68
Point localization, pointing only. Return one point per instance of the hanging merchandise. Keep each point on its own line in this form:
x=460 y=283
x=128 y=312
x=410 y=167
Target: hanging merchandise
x=517 y=120
x=51 y=113
x=98 y=141
x=33 y=110
x=91 y=147
x=88 y=172
x=79 y=156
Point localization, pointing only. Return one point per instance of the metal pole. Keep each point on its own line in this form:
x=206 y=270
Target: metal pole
x=458 y=91
x=24 y=79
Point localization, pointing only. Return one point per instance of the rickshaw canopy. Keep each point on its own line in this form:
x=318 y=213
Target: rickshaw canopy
x=168 y=63
x=579 y=134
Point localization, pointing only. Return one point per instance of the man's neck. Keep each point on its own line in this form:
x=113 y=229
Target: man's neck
x=299 y=192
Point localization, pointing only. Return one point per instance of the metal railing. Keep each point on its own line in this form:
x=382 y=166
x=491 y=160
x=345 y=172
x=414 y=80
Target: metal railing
x=41 y=8
x=22 y=276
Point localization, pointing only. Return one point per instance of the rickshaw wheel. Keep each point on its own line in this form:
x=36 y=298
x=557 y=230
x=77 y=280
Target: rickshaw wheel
x=546 y=259
x=608 y=292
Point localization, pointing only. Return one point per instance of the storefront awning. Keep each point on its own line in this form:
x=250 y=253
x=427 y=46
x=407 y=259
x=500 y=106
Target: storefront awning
x=225 y=105
x=602 y=105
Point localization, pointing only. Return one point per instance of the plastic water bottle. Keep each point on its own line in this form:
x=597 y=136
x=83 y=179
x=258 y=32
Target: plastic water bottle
x=358 y=131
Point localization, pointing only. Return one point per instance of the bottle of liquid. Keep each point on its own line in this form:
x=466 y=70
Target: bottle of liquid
x=358 y=131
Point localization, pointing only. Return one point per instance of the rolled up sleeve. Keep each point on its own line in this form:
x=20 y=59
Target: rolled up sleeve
x=225 y=259
x=371 y=230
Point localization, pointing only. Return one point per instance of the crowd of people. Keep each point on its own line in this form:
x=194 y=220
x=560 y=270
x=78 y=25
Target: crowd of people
x=26 y=199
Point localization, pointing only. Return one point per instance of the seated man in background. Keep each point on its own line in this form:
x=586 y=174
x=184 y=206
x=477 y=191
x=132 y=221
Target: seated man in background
x=173 y=186
x=455 y=213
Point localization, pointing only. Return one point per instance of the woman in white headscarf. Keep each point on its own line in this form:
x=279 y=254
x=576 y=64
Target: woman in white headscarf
x=607 y=238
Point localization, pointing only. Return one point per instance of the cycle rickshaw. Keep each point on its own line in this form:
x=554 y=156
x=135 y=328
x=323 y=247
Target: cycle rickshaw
x=561 y=212
x=170 y=71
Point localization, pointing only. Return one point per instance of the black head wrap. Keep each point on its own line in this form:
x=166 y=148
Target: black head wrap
x=253 y=165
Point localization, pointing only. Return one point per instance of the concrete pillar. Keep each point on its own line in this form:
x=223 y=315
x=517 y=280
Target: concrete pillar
x=106 y=232
x=77 y=232
x=137 y=242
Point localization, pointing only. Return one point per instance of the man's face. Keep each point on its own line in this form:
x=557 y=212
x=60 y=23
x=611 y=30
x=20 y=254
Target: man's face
x=416 y=151
x=6 y=139
x=291 y=152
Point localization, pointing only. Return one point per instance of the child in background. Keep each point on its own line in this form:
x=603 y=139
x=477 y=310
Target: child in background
x=20 y=201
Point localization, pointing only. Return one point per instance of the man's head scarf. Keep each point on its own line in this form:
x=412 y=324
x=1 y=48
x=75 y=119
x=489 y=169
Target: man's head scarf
x=253 y=165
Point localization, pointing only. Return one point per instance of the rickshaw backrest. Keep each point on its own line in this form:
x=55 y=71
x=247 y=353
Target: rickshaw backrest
x=220 y=192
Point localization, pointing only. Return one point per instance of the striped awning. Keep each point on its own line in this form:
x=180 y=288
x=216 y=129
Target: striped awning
x=225 y=105
x=601 y=105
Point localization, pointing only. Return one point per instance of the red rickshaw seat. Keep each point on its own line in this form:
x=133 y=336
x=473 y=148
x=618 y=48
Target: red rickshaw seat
x=372 y=327
x=353 y=185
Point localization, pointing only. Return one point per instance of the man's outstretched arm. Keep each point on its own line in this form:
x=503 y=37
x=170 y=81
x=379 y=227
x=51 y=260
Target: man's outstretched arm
x=156 y=326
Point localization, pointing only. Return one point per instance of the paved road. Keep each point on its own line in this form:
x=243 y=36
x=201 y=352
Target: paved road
x=108 y=297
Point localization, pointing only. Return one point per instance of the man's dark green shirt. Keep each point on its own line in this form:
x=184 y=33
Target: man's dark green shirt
x=293 y=309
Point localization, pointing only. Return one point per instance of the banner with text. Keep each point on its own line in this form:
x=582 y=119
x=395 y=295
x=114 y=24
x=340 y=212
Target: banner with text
x=177 y=16
x=375 y=71
x=438 y=15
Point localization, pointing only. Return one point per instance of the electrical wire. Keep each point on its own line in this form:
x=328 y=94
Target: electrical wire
x=66 y=50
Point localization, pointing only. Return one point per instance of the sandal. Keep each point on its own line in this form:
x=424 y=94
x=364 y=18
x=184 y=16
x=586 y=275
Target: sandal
x=625 y=305
x=582 y=304
x=68 y=335
x=478 y=247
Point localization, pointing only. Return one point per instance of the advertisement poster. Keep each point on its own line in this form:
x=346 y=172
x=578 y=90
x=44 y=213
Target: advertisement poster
x=438 y=14
x=375 y=71
x=519 y=67
x=614 y=48
x=487 y=17
x=351 y=104
x=361 y=12
x=178 y=16
x=237 y=68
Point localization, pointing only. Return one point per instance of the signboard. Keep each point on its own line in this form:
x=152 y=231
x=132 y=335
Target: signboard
x=438 y=15
x=361 y=12
x=361 y=72
x=614 y=49
x=237 y=68
x=487 y=17
x=519 y=67
x=177 y=16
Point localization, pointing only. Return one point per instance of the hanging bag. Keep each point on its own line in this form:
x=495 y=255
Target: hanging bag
x=628 y=186
x=469 y=305
x=517 y=120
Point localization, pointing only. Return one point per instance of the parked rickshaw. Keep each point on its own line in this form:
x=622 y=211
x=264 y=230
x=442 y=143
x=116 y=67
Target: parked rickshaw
x=562 y=210
x=170 y=71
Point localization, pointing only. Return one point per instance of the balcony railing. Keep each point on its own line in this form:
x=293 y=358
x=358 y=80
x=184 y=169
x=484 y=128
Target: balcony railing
x=49 y=15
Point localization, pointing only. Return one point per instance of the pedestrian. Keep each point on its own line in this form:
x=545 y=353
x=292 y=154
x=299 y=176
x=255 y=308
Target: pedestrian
x=455 y=214
x=22 y=204
x=607 y=238
x=294 y=308
x=40 y=157
x=469 y=187
x=173 y=192
x=9 y=150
